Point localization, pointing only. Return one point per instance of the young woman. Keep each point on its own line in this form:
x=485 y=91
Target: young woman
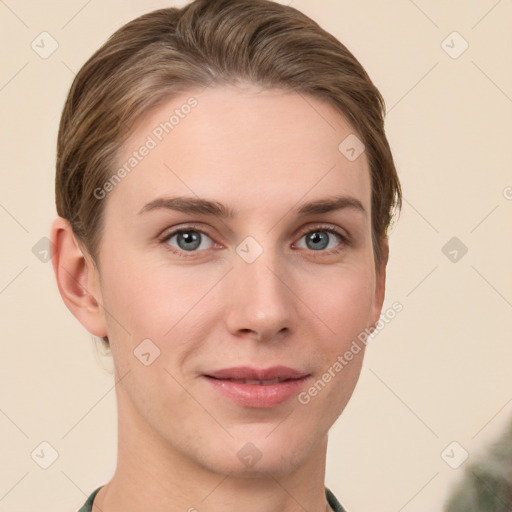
x=224 y=189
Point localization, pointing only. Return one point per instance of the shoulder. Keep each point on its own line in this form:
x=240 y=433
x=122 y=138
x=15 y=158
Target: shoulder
x=87 y=507
x=333 y=501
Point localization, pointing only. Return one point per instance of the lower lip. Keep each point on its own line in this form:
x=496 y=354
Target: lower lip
x=258 y=395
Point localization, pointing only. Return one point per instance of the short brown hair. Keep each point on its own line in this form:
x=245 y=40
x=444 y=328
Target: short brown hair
x=169 y=51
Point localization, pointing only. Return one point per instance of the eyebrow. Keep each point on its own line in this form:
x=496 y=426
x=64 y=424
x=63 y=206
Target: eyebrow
x=198 y=205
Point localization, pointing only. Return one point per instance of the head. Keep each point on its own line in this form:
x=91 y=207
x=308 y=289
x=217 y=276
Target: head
x=256 y=119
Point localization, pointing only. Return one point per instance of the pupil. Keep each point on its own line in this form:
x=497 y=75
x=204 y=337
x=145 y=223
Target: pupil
x=192 y=239
x=318 y=237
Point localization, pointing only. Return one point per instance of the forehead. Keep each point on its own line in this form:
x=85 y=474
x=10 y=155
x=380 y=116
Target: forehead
x=250 y=146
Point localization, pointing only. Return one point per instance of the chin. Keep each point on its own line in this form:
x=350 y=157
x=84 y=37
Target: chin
x=278 y=466
x=259 y=454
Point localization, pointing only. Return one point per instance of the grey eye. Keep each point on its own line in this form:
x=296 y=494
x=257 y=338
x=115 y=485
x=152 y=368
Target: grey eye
x=189 y=240
x=319 y=239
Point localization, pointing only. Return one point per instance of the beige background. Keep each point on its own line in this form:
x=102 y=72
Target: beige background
x=439 y=372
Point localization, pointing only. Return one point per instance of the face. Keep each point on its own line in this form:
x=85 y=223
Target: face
x=188 y=292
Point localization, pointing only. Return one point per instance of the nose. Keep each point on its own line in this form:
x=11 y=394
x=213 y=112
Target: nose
x=261 y=305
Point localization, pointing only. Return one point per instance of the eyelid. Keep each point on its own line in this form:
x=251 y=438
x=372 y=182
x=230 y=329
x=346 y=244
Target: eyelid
x=325 y=227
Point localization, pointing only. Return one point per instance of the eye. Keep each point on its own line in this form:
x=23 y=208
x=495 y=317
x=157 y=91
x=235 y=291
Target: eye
x=322 y=238
x=187 y=240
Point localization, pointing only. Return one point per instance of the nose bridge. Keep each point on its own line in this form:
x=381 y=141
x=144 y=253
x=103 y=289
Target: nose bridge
x=260 y=301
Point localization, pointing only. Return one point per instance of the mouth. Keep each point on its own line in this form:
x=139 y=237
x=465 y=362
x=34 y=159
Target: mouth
x=253 y=388
x=247 y=373
x=255 y=382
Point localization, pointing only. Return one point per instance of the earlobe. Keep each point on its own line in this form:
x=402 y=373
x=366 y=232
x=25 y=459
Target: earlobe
x=380 y=283
x=77 y=278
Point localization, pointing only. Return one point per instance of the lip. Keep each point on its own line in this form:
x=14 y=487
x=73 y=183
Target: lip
x=259 y=396
x=248 y=372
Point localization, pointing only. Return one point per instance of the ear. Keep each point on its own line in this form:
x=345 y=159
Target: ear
x=380 y=283
x=77 y=278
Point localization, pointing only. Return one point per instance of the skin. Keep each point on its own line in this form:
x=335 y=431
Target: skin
x=261 y=153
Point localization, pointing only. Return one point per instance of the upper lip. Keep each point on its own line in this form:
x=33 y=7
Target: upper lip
x=247 y=372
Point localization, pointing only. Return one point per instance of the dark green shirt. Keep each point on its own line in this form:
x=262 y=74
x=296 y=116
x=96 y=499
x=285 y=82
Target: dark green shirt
x=333 y=502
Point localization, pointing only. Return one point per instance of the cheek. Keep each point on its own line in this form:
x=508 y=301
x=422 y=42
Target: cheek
x=344 y=310
x=343 y=300
x=171 y=306
x=146 y=300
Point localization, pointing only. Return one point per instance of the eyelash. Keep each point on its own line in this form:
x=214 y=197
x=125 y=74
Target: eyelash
x=346 y=241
